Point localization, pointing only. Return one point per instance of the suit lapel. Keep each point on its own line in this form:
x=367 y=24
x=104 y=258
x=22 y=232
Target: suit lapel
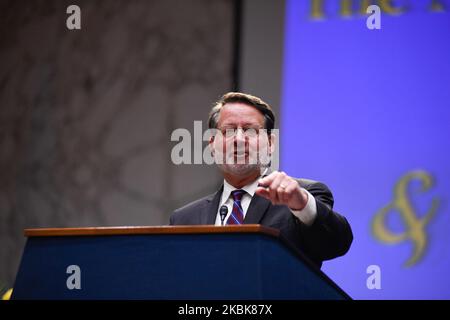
x=256 y=210
x=258 y=207
x=209 y=213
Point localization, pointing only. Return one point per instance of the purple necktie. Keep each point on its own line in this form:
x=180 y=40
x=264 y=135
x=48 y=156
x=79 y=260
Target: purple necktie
x=237 y=214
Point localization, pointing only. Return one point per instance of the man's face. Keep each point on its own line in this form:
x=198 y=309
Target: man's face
x=243 y=140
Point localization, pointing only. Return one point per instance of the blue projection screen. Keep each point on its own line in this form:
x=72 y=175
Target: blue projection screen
x=367 y=112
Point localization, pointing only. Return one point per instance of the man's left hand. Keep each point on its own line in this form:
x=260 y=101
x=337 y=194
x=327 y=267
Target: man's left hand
x=282 y=189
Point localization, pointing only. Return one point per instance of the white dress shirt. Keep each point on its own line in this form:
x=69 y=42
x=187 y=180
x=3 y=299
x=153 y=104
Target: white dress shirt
x=306 y=215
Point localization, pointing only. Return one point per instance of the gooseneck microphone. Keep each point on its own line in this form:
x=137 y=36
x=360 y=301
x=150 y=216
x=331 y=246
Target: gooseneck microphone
x=223 y=213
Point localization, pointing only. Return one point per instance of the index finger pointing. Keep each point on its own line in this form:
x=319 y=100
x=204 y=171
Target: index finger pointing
x=266 y=181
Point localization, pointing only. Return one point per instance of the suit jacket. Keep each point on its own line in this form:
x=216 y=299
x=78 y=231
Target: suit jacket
x=328 y=237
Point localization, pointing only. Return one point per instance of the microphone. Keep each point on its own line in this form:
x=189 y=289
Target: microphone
x=223 y=212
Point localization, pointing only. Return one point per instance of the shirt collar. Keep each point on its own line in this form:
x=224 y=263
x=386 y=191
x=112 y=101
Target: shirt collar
x=228 y=188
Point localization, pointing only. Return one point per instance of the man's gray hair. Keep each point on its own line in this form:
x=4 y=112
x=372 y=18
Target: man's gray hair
x=257 y=103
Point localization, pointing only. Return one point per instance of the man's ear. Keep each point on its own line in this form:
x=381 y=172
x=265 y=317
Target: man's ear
x=211 y=144
x=272 y=143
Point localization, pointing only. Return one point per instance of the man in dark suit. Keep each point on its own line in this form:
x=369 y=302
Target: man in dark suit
x=301 y=209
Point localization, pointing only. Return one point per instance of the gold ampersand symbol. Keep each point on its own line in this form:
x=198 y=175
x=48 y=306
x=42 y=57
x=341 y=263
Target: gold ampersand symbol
x=415 y=226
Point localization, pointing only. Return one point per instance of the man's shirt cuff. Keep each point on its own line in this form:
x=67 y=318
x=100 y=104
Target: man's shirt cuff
x=308 y=214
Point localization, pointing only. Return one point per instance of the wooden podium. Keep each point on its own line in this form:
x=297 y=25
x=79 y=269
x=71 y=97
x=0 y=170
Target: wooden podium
x=248 y=262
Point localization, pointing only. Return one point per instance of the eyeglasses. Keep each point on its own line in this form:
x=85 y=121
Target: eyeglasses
x=250 y=132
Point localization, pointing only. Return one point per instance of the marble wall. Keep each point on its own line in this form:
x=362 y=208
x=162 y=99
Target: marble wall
x=86 y=115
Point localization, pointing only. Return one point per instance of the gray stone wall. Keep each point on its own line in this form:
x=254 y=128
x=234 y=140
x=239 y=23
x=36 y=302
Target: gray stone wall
x=86 y=115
